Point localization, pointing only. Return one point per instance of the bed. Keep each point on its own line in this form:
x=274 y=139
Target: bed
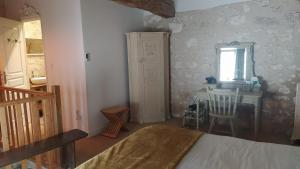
x=222 y=152
x=166 y=147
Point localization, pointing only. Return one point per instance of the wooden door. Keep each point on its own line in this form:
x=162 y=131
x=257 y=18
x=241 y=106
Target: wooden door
x=12 y=57
x=152 y=77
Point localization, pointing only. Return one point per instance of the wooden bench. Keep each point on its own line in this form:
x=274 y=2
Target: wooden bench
x=65 y=141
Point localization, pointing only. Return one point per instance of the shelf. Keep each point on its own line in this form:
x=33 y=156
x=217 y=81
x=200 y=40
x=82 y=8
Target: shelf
x=35 y=54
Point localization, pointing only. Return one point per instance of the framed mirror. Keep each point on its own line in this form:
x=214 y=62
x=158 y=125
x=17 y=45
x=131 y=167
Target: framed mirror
x=235 y=61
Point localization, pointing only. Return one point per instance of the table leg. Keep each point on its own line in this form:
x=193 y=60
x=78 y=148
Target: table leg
x=256 y=117
x=198 y=111
x=255 y=122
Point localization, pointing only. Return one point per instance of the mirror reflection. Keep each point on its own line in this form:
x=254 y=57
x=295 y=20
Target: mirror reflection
x=235 y=62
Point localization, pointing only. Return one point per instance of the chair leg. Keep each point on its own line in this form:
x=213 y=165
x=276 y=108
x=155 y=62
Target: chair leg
x=197 y=116
x=232 y=127
x=212 y=123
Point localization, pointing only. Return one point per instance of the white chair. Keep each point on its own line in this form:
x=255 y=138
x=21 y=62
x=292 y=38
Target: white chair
x=222 y=105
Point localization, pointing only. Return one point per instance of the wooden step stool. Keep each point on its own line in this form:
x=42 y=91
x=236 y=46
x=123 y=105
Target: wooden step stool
x=116 y=122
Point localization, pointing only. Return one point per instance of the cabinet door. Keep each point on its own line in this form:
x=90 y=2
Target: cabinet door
x=152 y=77
x=13 y=56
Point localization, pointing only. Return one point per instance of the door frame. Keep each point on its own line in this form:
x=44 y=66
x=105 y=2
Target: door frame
x=33 y=18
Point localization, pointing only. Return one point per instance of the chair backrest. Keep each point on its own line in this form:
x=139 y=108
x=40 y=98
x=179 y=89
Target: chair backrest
x=222 y=102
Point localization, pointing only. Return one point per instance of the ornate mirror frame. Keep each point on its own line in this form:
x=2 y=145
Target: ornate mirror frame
x=29 y=12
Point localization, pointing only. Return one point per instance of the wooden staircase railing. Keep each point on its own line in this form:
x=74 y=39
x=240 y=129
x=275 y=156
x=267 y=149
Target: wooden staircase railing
x=27 y=117
x=65 y=141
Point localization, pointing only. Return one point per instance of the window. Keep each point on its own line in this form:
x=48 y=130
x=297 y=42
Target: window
x=227 y=64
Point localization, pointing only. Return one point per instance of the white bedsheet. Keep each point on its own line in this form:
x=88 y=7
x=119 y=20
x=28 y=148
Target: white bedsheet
x=221 y=152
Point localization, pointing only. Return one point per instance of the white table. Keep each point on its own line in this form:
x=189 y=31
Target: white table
x=252 y=98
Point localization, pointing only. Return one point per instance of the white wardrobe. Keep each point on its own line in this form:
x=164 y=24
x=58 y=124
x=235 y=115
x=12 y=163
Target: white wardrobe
x=149 y=77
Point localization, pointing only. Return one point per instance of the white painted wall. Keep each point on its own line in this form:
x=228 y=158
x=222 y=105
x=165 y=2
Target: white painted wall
x=63 y=43
x=104 y=26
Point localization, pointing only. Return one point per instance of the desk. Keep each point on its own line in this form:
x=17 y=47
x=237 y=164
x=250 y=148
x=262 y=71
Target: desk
x=253 y=98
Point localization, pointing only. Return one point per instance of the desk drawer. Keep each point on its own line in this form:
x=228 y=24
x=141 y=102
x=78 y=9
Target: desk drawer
x=249 y=100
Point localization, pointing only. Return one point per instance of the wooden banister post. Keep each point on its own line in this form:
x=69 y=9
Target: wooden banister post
x=68 y=151
x=56 y=102
x=57 y=117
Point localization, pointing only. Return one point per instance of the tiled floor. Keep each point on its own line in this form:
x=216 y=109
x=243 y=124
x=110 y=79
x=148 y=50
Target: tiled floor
x=89 y=147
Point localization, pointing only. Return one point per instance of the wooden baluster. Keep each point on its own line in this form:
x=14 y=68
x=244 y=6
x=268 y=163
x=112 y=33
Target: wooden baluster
x=36 y=130
x=49 y=129
x=13 y=120
x=57 y=116
x=29 y=118
x=4 y=132
x=20 y=125
x=20 y=130
x=4 y=129
x=26 y=121
x=57 y=110
x=47 y=118
x=9 y=121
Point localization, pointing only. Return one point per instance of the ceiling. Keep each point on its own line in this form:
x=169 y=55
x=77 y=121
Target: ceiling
x=1 y=7
x=188 y=5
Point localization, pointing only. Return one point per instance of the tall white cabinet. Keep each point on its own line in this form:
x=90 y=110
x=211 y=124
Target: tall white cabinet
x=148 y=66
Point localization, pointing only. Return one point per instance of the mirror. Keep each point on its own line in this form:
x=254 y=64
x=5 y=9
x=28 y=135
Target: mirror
x=235 y=61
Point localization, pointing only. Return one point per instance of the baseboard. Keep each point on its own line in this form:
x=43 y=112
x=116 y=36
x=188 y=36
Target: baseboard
x=95 y=132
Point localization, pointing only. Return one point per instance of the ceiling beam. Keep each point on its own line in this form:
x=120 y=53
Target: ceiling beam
x=163 y=8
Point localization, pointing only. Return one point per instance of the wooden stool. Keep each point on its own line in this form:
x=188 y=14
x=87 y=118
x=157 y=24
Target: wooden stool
x=116 y=123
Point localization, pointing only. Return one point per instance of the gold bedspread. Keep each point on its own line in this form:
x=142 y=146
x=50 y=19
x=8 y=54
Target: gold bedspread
x=153 y=147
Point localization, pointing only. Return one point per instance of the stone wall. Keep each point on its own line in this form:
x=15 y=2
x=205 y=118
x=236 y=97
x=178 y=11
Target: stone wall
x=33 y=29
x=34 y=48
x=275 y=27
x=36 y=66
